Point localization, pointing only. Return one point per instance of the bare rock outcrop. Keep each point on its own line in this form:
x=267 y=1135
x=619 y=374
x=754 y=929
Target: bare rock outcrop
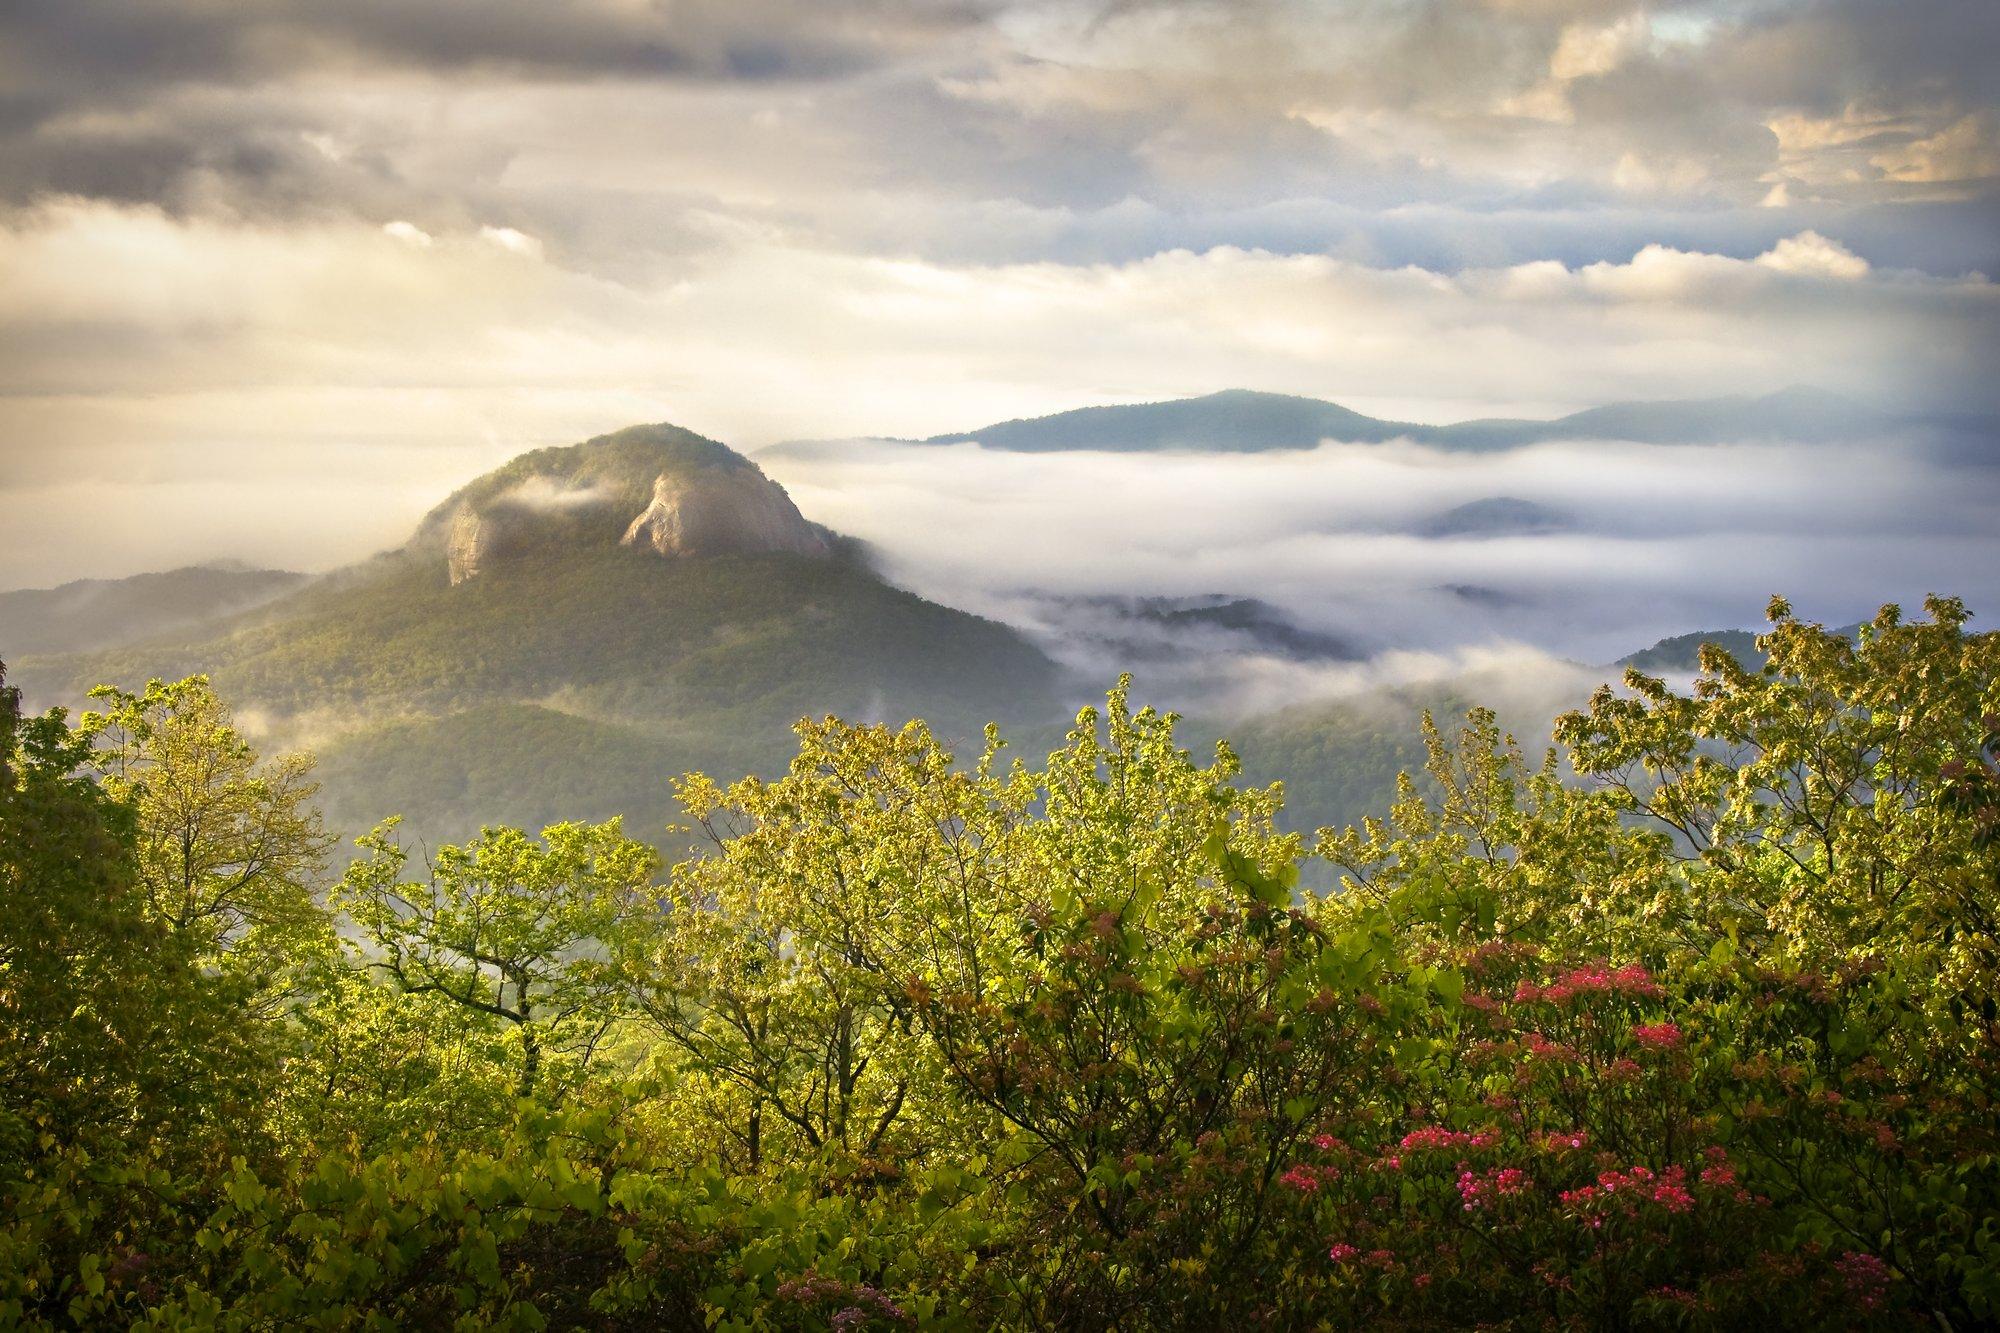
x=465 y=545
x=735 y=512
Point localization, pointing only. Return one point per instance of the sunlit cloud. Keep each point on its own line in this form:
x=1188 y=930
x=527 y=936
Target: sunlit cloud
x=289 y=246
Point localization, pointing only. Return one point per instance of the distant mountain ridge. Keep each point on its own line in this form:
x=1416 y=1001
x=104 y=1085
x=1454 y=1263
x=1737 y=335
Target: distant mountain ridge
x=90 y=614
x=1233 y=421
x=1252 y=421
x=1495 y=516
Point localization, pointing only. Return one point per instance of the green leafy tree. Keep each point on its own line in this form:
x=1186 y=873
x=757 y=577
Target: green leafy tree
x=372 y=1066
x=1829 y=811
x=1502 y=851
x=778 y=962
x=513 y=931
x=231 y=850
x=1817 y=793
x=125 y=1067
x=1154 y=1019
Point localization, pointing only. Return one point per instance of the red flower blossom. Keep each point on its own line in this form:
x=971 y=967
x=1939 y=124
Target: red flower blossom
x=1867 y=1278
x=1435 y=1136
x=1632 y=980
x=1301 y=1178
x=1657 y=1036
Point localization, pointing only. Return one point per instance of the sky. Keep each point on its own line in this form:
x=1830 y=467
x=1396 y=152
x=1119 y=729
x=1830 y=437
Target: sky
x=275 y=275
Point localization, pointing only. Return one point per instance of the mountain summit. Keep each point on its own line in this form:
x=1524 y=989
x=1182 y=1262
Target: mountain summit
x=657 y=488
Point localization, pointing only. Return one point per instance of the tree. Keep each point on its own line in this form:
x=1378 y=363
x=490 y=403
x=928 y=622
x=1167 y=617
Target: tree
x=1823 y=795
x=781 y=959
x=230 y=850
x=123 y=1062
x=512 y=931
x=1503 y=852
x=1155 y=1018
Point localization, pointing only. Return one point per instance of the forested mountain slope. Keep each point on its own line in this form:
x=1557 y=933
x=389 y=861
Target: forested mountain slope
x=570 y=631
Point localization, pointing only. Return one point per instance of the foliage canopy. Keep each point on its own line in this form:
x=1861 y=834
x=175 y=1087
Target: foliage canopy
x=1686 y=1022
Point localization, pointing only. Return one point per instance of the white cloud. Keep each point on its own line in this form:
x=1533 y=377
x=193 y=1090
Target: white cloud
x=1968 y=149
x=1589 y=51
x=1812 y=254
x=408 y=232
x=139 y=345
x=515 y=242
x=1664 y=538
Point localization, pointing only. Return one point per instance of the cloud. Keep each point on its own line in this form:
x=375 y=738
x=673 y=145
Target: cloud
x=1664 y=539
x=603 y=123
x=276 y=243
x=138 y=347
x=512 y=241
x=1812 y=254
x=541 y=495
x=408 y=233
x=1968 y=149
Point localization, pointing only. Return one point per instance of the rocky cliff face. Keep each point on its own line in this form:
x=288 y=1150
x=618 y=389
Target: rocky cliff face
x=736 y=512
x=656 y=488
x=464 y=545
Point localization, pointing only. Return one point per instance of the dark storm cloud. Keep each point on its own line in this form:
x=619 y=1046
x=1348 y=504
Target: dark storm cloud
x=112 y=50
x=192 y=104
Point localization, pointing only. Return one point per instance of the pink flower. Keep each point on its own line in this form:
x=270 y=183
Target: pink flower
x=1436 y=1136
x=1631 y=980
x=1657 y=1036
x=1342 y=1253
x=1867 y=1277
x=1673 y=1198
x=1301 y=1178
x=1475 y=1189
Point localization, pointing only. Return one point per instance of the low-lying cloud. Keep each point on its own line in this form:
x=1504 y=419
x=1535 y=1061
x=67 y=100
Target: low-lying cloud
x=1660 y=539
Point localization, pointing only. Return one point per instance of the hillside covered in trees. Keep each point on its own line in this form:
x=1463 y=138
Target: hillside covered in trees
x=1694 y=1029
x=559 y=634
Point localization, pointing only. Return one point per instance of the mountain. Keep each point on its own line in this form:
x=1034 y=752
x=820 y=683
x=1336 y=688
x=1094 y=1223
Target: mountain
x=657 y=488
x=1496 y=516
x=567 y=633
x=105 y=613
x=1233 y=421
x=1247 y=421
x=1118 y=632
x=1798 y=414
x=1680 y=654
